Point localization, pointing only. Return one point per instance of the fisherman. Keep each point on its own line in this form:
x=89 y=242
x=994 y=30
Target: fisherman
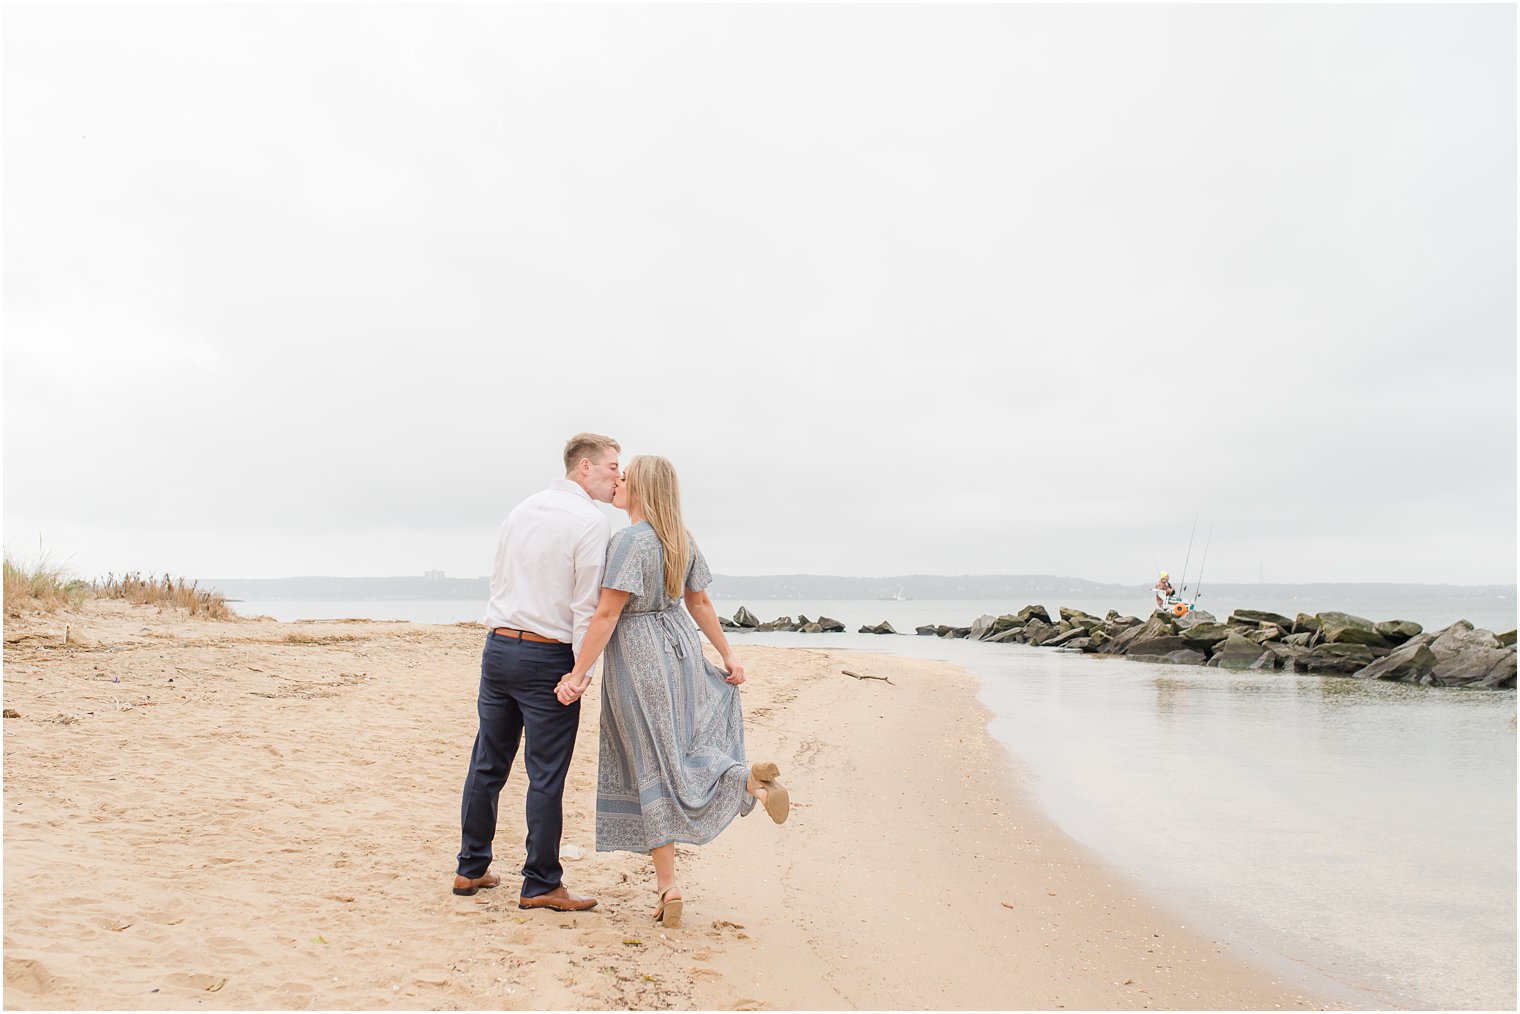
x=1163 y=590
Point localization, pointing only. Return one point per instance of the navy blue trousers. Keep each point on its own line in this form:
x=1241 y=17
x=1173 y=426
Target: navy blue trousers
x=517 y=680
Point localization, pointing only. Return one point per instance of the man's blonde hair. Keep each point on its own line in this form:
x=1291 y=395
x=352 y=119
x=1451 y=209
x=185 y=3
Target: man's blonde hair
x=652 y=484
x=587 y=445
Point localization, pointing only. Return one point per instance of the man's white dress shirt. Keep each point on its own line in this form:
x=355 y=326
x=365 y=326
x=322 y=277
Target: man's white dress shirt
x=549 y=561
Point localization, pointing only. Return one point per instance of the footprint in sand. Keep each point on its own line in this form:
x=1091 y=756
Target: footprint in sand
x=164 y=918
x=28 y=976
x=200 y=981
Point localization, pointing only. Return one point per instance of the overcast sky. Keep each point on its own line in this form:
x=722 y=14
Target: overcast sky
x=323 y=289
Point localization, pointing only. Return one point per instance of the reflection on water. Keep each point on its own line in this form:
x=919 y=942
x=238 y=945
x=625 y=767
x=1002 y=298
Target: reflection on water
x=1364 y=830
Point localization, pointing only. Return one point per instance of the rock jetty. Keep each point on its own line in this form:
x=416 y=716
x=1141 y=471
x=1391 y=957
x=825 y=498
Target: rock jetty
x=1325 y=644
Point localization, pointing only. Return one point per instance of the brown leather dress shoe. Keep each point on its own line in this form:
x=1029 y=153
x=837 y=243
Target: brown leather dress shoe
x=560 y=900
x=467 y=887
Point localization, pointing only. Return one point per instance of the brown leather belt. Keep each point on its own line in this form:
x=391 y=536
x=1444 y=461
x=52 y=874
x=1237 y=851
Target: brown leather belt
x=525 y=635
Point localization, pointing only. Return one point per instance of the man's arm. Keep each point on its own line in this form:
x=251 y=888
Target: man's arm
x=590 y=561
x=608 y=608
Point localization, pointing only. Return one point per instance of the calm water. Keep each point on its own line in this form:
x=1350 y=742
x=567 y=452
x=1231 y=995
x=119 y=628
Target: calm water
x=1365 y=832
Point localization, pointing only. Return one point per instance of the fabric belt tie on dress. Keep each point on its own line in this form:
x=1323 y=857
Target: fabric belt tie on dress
x=672 y=633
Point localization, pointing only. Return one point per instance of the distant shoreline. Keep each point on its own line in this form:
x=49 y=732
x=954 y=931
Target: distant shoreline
x=803 y=587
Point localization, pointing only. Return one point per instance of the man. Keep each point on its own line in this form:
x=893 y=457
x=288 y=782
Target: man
x=544 y=587
x=1163 y=590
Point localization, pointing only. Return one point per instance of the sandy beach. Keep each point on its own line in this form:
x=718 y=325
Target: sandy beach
x=251 y=814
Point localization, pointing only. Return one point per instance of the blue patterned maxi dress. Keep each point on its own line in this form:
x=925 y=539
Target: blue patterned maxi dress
x=672 y=741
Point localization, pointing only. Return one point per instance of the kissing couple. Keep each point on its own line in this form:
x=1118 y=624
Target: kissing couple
x=565 y=591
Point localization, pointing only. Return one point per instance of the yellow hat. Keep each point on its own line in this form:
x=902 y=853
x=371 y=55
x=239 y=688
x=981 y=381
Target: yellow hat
x=1163 y=573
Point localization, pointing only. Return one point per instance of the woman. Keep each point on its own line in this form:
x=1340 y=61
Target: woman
x=672 y=745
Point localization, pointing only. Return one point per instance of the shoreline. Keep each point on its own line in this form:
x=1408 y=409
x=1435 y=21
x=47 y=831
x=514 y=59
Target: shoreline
x=268 y=815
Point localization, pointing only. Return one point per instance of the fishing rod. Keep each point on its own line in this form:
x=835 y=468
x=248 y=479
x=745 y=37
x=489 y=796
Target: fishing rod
x=1199 y=593
x=1190 y=550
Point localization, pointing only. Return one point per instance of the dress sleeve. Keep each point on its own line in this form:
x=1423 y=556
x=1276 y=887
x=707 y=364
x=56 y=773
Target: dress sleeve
x=697 y=574
x=626 y=563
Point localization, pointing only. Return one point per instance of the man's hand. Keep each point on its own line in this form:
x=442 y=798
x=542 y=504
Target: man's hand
x=571 y=687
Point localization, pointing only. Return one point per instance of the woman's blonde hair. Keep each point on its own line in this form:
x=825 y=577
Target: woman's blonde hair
x=653 y=486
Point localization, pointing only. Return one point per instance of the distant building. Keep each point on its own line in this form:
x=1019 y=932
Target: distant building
x=432 y=575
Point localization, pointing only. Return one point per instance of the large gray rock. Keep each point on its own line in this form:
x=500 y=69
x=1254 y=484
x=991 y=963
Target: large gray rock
x=1033 y=612
x=1011 y=634
x=1267 y=632
x=1195 y=618
x=779 y=623
x=1399 y=631
x=1000 y=624
x=927 y=630
x=810 y=628
x=1098 y=640
x=1411 y=662
x=1343 y=628
x=830 y=626
x=1080 y=644
x=1061 y=640
x=1305 y=622
x=982 y=626
x=1153 y=647
x=1501 y=676
x=1204 y=636
x=1507 y=639
x=728 y=624
x=1036 y=632
x=745 y=618
x=1159 y=625
x=881 y=628
x=1236 y=652
x=1467 y=656
x=1301 y=639
x=1256 y=617
x=1334 y=659
x=1286 y=653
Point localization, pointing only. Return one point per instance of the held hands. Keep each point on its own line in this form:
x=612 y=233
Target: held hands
x=571 y=687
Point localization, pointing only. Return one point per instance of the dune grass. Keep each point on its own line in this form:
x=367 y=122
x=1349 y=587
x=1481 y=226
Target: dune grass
x=165 y=592
x=42 y=585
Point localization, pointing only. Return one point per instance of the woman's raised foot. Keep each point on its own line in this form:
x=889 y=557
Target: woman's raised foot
x=771 y=793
